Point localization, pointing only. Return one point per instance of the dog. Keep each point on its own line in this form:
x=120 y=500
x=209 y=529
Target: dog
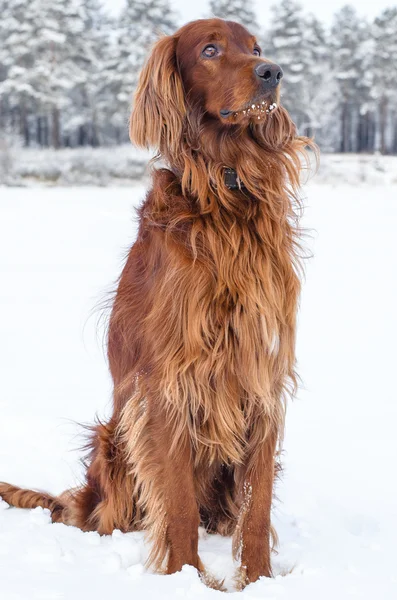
x=201 y=339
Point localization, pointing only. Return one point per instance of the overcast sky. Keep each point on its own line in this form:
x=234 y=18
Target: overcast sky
x=323 y=9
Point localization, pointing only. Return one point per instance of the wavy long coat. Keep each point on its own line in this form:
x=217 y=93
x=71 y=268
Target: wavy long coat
x=201 y=340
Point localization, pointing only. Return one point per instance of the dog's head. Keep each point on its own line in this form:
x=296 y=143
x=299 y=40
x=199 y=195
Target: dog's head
x=212 y=71
x=223 y=72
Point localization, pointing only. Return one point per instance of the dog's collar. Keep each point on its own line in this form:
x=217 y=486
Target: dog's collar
x=232 y=180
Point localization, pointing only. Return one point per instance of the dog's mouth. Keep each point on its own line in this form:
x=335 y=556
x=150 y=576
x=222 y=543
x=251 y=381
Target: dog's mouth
x=253 y=110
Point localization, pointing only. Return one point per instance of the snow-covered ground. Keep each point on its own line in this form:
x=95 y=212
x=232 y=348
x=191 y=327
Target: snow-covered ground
x=61 y=250
x=123 y=165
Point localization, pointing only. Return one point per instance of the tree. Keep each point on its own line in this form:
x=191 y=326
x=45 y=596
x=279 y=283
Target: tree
x=287 y=46
x=384 y=68
x=87 y=93
x=140 y=24
x=62 y=60
x=318 y=86
x=19 y=26
x=51 y=53
x=235 y=10
x=351 y=46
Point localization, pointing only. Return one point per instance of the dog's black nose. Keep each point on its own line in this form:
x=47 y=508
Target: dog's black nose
x=269 y=73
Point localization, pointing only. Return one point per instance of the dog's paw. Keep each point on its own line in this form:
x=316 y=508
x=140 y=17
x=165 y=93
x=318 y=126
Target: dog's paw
x=210 y=580
x=244 y=577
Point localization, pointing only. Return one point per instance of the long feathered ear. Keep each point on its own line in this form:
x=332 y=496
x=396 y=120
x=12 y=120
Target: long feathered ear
x=159 y=107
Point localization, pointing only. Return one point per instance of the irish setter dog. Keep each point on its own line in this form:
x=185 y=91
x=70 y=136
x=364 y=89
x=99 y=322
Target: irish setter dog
x=202 y=332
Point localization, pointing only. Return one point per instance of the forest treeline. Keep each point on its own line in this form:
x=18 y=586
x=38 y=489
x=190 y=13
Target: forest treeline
x=68 y=70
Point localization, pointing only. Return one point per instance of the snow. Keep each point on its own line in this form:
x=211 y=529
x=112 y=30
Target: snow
x=117 y=165
x=61 y=250
x=123 y=165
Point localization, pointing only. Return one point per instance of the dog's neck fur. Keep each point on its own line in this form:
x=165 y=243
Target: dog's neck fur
x=265 y=158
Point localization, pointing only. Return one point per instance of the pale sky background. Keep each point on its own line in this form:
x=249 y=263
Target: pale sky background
x=323 y=9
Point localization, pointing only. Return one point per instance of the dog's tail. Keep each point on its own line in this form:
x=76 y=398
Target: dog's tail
x=21 y=498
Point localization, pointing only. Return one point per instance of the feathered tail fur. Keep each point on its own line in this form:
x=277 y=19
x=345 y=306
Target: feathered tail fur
x=21 y=498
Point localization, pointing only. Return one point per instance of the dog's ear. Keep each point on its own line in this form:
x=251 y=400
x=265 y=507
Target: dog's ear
x=159 y=107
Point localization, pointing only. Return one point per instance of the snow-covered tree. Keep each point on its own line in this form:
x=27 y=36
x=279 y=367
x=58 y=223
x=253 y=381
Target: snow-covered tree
x=300 y=45
x=286 y=39
x=235 y=10
x=89 y=121
x=352 y=49
x=286 y=44
x=318 y=84
x=140 y=24
x=51 y=51
x=384 y=68
x=19 y=25
x=63 y=58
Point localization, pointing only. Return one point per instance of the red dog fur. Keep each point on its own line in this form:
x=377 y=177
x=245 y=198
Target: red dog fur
x=202 y=333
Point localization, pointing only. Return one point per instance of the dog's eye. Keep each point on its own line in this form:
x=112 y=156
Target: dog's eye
x=256 y=51
x=210 y=51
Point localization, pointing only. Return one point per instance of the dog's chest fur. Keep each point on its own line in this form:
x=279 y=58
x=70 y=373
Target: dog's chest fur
x=224 y=295
x=240 y=307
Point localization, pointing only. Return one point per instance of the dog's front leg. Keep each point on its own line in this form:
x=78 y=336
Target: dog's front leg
x=253 y=533
x=182 y=511
x=164 y=470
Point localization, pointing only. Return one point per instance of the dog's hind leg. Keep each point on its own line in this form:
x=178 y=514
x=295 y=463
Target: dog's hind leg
x=106 y=501
x=103 y=504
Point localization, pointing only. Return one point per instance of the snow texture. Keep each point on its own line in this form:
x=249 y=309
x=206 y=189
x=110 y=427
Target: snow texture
x=118 y=165
x=123 y=165
x=61 y=250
